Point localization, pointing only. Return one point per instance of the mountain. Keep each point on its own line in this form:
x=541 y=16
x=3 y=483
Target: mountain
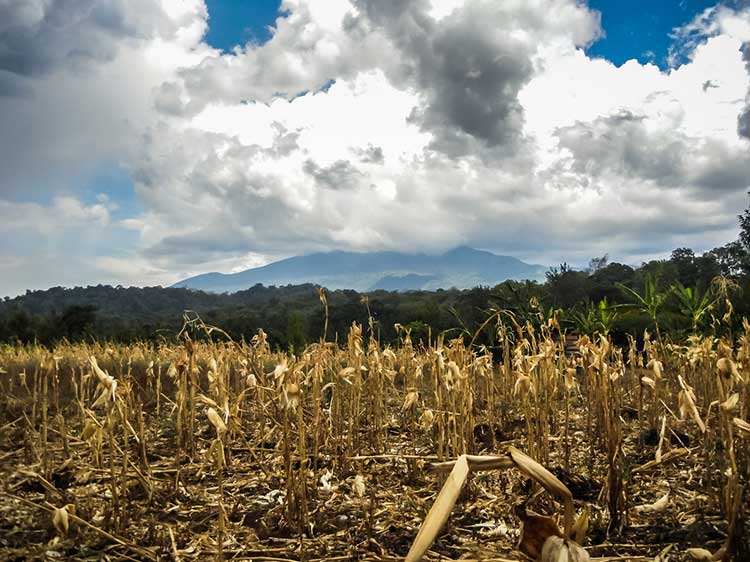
x=461 y=267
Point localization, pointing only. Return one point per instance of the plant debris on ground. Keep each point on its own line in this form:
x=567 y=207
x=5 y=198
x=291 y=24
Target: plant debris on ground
x=229 y=451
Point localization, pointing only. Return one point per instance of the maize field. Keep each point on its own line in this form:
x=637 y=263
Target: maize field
x=211 y=449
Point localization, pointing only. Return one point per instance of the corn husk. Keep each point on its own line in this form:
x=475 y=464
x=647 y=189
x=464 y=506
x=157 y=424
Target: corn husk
x=659 y=505
x=60 y=520
x=216 y=421
x=656 y=367
x=648 y=381
x=730 y=403
x=359 y=485
x=727 y=369
x=291 y=396
x=557 y=549
x=426 y=419
x=410 y=400
x=523 y=386
x=686 y=401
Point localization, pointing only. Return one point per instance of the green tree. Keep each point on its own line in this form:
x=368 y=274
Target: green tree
x=296 y=331
x=20 y=326
x=566 y=286
x=733 y=259
x=687 y=269
x=603 y=282
x=595 y=264
x=77 y=321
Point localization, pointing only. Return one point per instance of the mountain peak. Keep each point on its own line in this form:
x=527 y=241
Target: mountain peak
x=462 y=267
x=461 y=250
x=465 y=250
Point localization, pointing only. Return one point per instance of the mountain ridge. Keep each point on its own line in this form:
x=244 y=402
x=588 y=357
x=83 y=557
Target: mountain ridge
x=461 y=267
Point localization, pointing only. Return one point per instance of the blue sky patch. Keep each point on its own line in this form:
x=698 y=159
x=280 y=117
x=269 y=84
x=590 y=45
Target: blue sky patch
x=116 y=184
x=237 y=22
x=640 y=29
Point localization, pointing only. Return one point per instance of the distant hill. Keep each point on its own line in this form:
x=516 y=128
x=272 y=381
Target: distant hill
x=461 y=268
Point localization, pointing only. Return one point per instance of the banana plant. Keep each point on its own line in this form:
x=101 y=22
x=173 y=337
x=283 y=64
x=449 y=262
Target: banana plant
x=650 y=302
x=585 y=321
x=692 y=304
x=607 y=316
x=594 y=319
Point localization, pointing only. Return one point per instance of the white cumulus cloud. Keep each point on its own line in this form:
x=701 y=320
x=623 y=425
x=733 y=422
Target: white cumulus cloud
x=371 y=124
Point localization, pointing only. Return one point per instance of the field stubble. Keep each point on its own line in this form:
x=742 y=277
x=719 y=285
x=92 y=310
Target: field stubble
x=223 y=450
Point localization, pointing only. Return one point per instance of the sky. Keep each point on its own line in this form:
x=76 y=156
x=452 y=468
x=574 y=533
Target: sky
x=145 y=141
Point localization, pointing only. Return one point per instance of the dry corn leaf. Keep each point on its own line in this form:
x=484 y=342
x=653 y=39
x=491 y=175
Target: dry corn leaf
x=682 y=403
x=535 y=531
x=280 y=370
x=101 y=399
x=699 y=554
x=523 y=386
x=570 y=378
x=581 y=526
x=88 y=430
x=440 y=510
x=657 y=455
x=742 y=425
x=534 y=470
x=549 y=482
x=217 y=451
x=103 y=377
x=669 y=455
x=207 y=401
x=476 y=462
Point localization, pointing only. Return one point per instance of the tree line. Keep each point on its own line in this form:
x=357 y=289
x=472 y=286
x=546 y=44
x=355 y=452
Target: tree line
x=673 y=297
